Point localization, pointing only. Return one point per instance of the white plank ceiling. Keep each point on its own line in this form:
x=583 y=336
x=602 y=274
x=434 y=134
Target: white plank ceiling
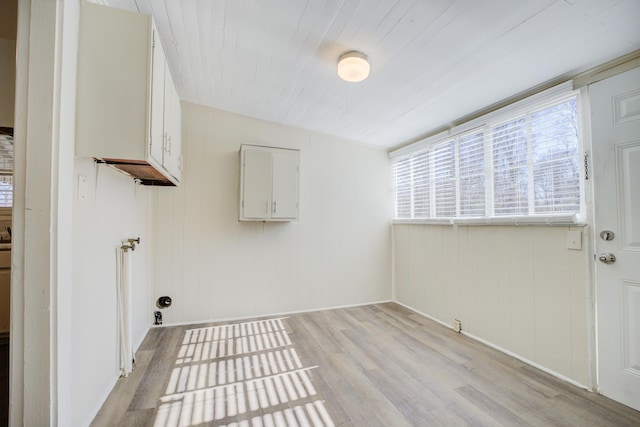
x=432 y=61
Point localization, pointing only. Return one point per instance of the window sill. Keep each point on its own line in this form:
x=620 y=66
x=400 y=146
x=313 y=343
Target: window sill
x=563 y=220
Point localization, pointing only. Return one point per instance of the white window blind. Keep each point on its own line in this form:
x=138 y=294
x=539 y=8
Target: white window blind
x=523 y=162
x=510 y=171
x=412 y=185
x=421 y=190
x=444 y=177
x=472 y=175
x=6 y=171
x=403 y=187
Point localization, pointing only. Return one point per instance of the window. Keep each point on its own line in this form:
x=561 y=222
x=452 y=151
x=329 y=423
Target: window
x=472 y=175
x=517 y=163
x=6 y=171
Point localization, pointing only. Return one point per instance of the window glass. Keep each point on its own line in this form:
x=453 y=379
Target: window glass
x=421 y=187
x=472 y=175
x=444 y=176
x=523 y=164
x=6 y=171
x=556 y=174
x=403 y=185
x=510 y=171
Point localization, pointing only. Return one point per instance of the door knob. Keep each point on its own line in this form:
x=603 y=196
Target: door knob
x=607 y=258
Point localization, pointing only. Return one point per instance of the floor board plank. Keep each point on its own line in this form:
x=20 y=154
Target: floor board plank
x=375 y=365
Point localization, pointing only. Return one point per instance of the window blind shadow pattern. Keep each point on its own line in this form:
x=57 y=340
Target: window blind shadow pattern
x=244 y=374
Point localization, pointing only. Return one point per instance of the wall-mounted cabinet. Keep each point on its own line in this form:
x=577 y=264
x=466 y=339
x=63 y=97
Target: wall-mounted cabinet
x=269 y=183
x=128 y=113
x=7 y=81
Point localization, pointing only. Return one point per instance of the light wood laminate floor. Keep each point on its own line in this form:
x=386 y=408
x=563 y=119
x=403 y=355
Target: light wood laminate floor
x=376 y=365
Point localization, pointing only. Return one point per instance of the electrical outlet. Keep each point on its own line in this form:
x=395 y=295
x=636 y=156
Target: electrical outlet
x=457 y=325
x=574 y=240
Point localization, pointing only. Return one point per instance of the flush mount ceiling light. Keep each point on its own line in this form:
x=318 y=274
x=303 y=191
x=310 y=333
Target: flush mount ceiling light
x=353 y=66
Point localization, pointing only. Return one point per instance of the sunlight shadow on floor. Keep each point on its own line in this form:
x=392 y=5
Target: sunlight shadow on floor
x=244 y=374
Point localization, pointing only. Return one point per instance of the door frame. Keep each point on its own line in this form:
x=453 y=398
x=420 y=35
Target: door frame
x=40 y=360
x=589 y=237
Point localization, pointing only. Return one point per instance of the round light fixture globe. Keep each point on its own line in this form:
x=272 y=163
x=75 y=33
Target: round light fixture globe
x=353 y=67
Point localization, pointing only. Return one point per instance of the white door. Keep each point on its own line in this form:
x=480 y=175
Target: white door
x=615 y=121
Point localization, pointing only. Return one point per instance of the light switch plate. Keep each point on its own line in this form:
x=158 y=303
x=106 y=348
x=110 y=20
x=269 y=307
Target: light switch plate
x=574 y=240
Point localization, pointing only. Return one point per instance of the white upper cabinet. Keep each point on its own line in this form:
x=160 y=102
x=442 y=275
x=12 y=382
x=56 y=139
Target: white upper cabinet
x=269 y=183
x=172 y=159
x=284 y=173
x=8 y=81
x=128 y=112
x=157 y=135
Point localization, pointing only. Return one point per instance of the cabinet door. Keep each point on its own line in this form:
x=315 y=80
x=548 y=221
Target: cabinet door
x=285 y=184
x=113 y=86
x=172 y=128
x=8 y=79
x=157 y=133
x=256 y=184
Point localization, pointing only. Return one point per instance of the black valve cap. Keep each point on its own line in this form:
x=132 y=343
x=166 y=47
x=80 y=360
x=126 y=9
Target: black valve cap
x=164 y=302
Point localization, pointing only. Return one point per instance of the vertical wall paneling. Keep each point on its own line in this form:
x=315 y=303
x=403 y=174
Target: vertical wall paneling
x=465 y=278
x=417 y=245
x=518 y=288
x=580 y=299
x=115 y=208
x=194 y=130
x=216 y=267
x=521 y=277
x=552 y=296
x=402 y=264
x=450 y=245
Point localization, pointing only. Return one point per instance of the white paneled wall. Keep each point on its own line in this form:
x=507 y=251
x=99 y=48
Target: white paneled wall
x=518 y=288
x=215 y=267
x=114 y=208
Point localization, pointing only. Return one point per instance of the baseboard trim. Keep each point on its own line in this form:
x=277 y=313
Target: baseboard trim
x=501 y=349
x=527 y=361
x=260 y=316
